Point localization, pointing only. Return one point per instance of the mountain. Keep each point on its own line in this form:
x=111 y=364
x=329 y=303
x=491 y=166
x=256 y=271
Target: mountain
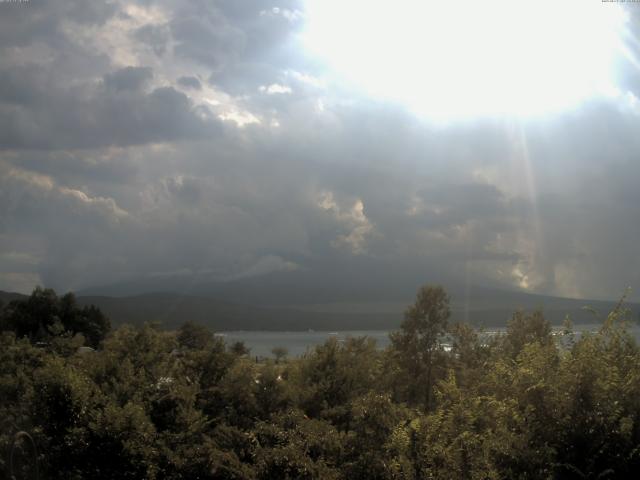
x=171 y=310
x=353 y=280
x=6 y=297
x=349 y=295
x=326 y=299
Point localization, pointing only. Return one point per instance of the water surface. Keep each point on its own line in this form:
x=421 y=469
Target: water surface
x=297 y=343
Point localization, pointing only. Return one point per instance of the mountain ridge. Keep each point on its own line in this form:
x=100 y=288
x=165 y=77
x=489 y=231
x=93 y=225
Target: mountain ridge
x=171 y=309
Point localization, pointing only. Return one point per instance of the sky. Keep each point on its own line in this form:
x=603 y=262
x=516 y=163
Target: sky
x=236 y=138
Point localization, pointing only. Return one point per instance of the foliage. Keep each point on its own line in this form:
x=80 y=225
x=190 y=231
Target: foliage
x=280 y=353
x=528 y=404
x=417 y=348
x=44 y=315
x=192 y=336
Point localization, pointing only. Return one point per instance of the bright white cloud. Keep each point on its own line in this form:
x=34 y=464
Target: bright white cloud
x=353 y=217
x=452 y=60
x=275 y=88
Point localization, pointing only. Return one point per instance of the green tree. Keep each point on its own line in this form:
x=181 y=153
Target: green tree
x=193 y=336
x=468 y=354
x=239 y=349
x=328 y=379
x=237 y=400
x=599 y=433
x=525 y=328
x=271 y=392
x=280 y=353
x=374 y=418
x=292 y=446
x=32 y=316
x=417 y=346
x=43 y=315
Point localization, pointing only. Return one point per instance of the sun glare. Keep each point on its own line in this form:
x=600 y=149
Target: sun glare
x=461 y=59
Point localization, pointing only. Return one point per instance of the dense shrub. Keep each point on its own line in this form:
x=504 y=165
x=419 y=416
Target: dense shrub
x=182 y=405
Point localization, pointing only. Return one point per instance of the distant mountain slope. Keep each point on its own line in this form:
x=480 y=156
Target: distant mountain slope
x=354 y=280
x=346 y=296
x=171 y=310
x=480 y=306
x=350 y=281
x=6 y=297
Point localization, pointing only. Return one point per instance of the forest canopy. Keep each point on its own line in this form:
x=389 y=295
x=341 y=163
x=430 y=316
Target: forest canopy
x=147 y=403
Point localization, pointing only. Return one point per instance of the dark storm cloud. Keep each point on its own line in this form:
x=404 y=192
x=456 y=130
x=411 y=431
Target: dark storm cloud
x=190 y=82
x=23 y=85
x=252 y=30
x=116 y=111
x=40 y=20
x=162 y=138
x=128 y=78
x=245 y=44
x=588 y=195
x=109 y=167
x=240 y=78
x=155 y=36
x=208 y=39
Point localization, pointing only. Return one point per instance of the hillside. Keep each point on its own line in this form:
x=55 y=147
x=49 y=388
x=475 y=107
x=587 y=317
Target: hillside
x=481 y=307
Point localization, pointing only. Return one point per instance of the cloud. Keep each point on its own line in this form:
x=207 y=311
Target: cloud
x=358 y=225
x=128 y=78
x=208 y=39
x=49 y=226
x=189 y=138
x=190 y=82
x=157 y=37
x=22 y=25
x=267 y=264
x=114 y=111
x=28 y=193
x=275 y=89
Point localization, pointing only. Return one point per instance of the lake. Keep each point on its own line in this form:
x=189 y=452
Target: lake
x=297 y=343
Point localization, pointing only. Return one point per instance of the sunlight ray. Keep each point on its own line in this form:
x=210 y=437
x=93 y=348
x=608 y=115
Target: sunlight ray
x=522 y=168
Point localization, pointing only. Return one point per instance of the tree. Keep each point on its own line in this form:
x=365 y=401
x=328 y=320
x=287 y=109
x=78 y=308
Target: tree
x=374 y=418
x=271 y=391
x=32 y=316
x=240 y=349
x=523 y=329
x=44 y=315
x=418 y=343
x=293 y=446
x=93 y=324
x=280 y=353
x=468 y=354
x=327 y=379
x=193 y=336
